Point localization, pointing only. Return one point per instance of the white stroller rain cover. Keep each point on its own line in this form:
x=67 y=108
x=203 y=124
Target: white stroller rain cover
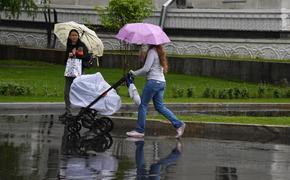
x=86 y=88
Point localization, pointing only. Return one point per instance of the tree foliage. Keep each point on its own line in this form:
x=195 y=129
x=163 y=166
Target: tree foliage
x=12 y=8
x=121 y=12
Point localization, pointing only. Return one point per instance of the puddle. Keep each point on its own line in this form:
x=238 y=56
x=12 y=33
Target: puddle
x=35 y=147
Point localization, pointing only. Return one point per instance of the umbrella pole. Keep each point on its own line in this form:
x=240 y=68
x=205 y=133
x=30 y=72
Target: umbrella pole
x=126 y=58
x=124 y=63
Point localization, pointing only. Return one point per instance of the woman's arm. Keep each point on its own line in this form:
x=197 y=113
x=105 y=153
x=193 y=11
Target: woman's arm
x=148 y=64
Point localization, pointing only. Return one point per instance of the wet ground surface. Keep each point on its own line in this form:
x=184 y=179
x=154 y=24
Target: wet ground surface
x=36 y=147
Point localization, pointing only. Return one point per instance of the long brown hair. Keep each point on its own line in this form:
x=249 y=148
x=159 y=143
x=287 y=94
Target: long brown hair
x=162 y=57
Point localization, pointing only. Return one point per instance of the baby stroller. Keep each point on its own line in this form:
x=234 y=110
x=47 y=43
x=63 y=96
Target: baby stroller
x=89 y=116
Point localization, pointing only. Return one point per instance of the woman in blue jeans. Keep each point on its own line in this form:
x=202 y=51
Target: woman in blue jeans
x=154 y=68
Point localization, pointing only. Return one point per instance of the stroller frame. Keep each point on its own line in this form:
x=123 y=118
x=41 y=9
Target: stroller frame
x=87 y=117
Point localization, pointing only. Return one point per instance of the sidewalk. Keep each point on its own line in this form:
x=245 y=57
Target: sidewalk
x=230 y=131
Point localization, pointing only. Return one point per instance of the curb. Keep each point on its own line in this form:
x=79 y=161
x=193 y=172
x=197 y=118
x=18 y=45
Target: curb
x=228 y=131
x=128 y=109
x=175 y=106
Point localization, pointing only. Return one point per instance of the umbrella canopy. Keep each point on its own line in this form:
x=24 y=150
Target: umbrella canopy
x=87 y=36
x=142 y=33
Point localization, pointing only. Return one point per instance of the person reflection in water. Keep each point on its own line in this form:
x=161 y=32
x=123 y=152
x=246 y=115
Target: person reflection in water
x=156 y=168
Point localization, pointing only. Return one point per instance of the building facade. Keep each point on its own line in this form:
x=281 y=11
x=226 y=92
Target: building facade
x=231 y=28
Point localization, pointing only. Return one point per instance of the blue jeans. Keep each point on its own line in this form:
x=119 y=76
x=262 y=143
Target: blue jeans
x=154 y=90
x=154 y=172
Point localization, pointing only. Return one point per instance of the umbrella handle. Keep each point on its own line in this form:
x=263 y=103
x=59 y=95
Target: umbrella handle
x=98 y=64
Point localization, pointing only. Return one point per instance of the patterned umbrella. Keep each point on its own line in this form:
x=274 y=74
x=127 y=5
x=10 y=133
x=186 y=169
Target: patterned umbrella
x=87 y=36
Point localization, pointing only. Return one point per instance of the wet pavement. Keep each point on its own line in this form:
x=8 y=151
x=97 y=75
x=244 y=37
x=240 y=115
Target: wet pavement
x=36 y=147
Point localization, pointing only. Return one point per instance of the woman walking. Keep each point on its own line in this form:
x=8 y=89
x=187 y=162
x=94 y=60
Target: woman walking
x=154 y=68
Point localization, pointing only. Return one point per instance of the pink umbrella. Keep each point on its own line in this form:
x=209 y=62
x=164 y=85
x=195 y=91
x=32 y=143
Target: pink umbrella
x=142 y=33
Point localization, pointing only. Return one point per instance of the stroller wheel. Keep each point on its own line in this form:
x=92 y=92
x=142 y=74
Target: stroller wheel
x=87 y=120
x=101 y=143
x=109 y=123
x=73 y=137
x=74 y=127
x=109 y=140
x=70 y=143
x=99 y=127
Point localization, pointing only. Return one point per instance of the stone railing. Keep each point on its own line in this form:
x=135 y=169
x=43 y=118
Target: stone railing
x=250 y=48
x=209 y=19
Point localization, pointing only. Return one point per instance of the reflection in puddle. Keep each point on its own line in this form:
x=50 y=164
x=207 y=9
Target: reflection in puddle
x=75 y=144
x=159 y=167
x=226 y=173
x=37 y=147
x=82 y=156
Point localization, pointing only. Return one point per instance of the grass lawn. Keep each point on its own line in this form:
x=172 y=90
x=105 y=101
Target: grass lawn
x=47 y=82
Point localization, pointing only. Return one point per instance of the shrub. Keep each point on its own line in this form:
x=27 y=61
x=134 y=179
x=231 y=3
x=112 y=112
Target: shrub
x=12 y=89
x=288 y=93
x=177 y=92
x=206 y=93
x=245 y=93
x=230 y=93
x=213 y=93
x=237 y=93
x=180 y=92
x=261 y=91
x=190 y=92
x=277 y=93
x=223 y=94
x=174 y=92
